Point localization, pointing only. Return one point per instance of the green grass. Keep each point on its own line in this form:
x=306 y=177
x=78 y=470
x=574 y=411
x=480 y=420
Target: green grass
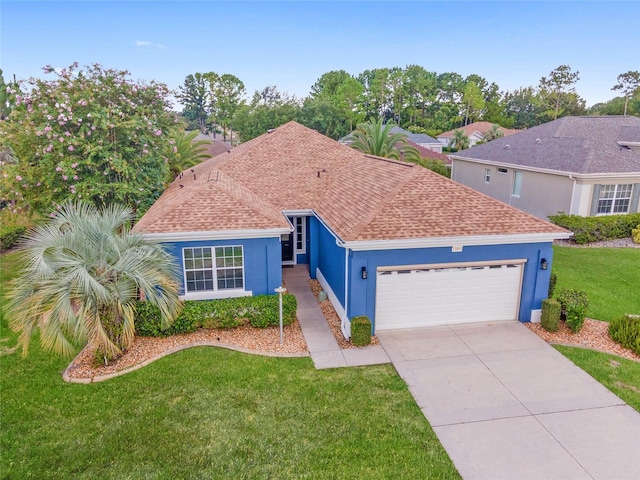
x=619 y=375
x=610 y=276
x=210 y=413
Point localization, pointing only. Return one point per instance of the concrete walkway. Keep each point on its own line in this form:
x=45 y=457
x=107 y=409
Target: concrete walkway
x=321 y=343
x=506 y=405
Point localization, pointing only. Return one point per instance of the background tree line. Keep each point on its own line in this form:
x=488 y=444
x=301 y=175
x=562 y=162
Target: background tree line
x=413 y=97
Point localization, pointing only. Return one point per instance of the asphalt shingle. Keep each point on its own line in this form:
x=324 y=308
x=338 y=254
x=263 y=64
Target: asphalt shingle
x=360 y=197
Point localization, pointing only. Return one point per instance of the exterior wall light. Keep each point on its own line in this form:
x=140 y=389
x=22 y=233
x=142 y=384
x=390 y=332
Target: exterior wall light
x=364 y=273
x=543 y=264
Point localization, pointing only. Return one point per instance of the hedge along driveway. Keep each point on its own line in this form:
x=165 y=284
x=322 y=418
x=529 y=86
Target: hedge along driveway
x=609 y=276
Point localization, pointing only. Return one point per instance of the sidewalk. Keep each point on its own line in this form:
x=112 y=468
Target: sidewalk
x=321 y=343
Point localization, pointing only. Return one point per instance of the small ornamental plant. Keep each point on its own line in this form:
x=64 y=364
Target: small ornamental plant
x=574 y=307
x=550 y=318
x=626 y=331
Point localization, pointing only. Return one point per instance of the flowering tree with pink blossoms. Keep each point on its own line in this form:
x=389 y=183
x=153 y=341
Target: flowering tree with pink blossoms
x=90 y=134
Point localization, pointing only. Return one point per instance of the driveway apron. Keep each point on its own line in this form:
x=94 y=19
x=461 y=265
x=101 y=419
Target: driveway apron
x=506 y=405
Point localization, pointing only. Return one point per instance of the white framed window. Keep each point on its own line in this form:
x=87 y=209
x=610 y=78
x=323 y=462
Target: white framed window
x=300 y=234
x=213 y=268
x=614 y=199
x=487 y=175
x=517 y=183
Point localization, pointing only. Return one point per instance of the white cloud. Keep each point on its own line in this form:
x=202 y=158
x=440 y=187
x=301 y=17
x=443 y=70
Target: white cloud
x=144 y=43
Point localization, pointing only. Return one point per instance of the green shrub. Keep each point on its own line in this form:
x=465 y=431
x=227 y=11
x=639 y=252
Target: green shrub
x=147 y=321
x=626 y=331
x=550 y=314
x=361 y=331
x=635 y=234
x=575 y=317
x=574 y=305
x=149 y=324
x=595 y=229
x=553 y=280
x=9 y=235
x=258 y=311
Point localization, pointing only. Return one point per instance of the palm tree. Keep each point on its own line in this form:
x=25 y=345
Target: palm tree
x=82 y=274
x=493 y=133
x=459 y=141
x=186 y=151
x=375 y=138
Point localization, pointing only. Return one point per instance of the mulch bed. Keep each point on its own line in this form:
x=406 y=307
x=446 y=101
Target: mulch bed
x=593 y=335
x=332 y=318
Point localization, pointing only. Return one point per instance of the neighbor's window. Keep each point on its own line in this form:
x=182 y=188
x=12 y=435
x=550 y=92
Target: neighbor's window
x=502 y=170
x=487 y=175
x=517 y=183
x=614 y=198
x=203 y=273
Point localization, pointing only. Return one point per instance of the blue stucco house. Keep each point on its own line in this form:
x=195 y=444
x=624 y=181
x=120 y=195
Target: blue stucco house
x=387 y=239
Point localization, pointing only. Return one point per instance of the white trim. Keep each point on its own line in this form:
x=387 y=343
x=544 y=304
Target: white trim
x=536 y=315
x=330 y=295
x=216 y=235
x=303 y=224
x=215 y=295
x=207 y=293
x=298 y=213
x=458 y=241
x=346 y=329
x=488 y=263
x=561 y=173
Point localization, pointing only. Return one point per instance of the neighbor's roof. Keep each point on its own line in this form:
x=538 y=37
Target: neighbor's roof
x=480 y=127
x=414 y=137
x=360 y=197
x=580 y=145
x=426 y=153
x=215 y=145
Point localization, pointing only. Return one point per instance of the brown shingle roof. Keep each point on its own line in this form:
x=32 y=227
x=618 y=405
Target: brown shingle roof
x=481 y=127
x=360 y=197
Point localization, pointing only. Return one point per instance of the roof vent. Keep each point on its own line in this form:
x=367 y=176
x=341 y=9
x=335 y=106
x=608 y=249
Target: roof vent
x=538 y=140
x=507 y=146
x=271 y=130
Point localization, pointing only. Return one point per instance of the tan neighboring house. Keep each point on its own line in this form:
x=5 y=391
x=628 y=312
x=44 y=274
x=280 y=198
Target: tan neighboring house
x=576 y=165
x=475 y=132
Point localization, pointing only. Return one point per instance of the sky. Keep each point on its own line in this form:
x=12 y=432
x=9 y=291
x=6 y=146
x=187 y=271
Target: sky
x=290 y=44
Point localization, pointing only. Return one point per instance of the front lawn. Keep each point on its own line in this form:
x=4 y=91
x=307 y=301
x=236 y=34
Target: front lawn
x=210 y=413
x=610 y=276
x=619 y=375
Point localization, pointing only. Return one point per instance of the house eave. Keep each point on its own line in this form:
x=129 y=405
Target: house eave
x=545 y=170
x=457 y=242
x=216 y=235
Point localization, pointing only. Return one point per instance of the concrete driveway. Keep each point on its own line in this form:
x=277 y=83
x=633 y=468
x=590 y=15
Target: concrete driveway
x=506 y=405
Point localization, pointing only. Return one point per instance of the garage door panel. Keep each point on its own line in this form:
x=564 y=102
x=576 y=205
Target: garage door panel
x=436 y=296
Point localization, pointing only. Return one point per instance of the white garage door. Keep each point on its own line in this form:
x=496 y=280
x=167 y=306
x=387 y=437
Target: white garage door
x=419 y=296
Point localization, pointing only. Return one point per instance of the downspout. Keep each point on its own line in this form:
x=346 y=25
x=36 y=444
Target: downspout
x=345 y=320
x=573 y=192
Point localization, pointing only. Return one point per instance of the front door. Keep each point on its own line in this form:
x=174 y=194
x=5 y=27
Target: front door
x=287 y=249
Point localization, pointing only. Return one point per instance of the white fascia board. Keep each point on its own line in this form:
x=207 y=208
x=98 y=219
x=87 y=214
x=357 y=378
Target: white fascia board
x=562 y=173
x=456 y=241
x=605 y=176
x=216 y=235
x=513 y=166
x=298 y=213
